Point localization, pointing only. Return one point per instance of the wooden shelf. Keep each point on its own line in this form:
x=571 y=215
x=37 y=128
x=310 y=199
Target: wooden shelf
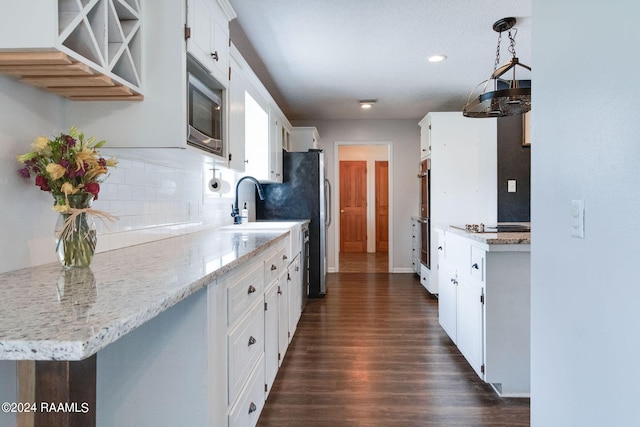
x=60 y=74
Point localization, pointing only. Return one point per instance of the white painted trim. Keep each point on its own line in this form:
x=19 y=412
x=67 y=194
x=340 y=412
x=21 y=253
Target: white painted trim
x=403 y=270
x=336 y=207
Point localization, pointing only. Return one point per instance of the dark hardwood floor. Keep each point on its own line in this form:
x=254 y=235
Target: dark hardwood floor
x=367 y=262
x=371 y=353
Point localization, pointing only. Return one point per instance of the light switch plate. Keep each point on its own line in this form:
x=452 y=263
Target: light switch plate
x=511 y=186
x=577 y=218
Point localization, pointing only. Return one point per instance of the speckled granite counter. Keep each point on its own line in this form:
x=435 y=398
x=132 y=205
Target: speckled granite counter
x=492 y=240
x=47 y=313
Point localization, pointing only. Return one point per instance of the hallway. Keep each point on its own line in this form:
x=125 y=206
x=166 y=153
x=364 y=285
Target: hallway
x=371 y=353
x=364 y=262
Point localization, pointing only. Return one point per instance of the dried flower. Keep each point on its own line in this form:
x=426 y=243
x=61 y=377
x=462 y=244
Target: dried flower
x=67 y=164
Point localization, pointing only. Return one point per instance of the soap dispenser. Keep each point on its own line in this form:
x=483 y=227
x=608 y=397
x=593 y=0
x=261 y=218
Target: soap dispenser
x=244 y=214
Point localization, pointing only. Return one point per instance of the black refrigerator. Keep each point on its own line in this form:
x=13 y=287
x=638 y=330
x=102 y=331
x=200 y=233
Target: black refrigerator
x=305 y=193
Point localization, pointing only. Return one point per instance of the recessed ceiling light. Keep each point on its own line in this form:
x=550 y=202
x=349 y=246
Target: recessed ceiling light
x=367 y=103
x=437 y=58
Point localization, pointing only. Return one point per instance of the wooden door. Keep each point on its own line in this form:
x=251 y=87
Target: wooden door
x=382 y=206
x=353 y=206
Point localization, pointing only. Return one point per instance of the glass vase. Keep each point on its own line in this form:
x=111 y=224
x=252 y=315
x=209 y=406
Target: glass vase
x=77 y=243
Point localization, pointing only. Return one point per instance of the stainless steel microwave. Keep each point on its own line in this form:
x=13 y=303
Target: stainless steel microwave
x=205 y=116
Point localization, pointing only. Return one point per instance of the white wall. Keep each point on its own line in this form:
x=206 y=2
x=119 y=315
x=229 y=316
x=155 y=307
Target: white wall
x=153 y=202
x=585 y=315
x=405 y=138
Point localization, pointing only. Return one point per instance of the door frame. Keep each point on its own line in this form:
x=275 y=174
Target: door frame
x=336 y=206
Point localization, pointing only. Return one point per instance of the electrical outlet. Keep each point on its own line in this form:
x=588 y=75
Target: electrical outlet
x=577 y=218
x=511 y=186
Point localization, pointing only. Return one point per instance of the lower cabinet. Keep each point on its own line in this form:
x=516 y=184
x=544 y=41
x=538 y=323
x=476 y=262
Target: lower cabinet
x=271 y=332
x=294 y=283
x=484 y=307
x=253 y=312
x=415 y=246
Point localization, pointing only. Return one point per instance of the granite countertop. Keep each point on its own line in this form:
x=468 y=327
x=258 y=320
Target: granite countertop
x=47 y=313
x=510 y=238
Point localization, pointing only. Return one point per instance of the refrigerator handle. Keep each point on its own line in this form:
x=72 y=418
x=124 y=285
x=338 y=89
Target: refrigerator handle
x=327 y=204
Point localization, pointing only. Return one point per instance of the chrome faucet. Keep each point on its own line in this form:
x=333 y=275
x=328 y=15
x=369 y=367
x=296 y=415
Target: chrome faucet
x=235 y=210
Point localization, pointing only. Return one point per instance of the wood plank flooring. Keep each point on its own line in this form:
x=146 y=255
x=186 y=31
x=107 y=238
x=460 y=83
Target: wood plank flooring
x=371 y=353
x=367 y=262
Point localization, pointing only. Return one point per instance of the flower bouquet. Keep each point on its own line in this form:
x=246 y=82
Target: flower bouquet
x=70 y=168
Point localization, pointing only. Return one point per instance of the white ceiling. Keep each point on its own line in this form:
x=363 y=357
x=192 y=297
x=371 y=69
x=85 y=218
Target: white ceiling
x=318 y=57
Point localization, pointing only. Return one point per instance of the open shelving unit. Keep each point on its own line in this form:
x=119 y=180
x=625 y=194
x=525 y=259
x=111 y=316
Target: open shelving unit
x=96 y=54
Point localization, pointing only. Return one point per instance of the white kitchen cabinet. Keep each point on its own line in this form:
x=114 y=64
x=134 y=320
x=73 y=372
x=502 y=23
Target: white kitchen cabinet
x=236 y=130
x=70 y=45
x=208 y=34
x=304 y=138
x=271 y=314
x=425 y=137
x=470 y=322
x=160 y=121
x=415 y=246
x=484 y=306
x=256 y=124
x=283 y=317
x=294 y=283
x=448 y=299
x=463 y=190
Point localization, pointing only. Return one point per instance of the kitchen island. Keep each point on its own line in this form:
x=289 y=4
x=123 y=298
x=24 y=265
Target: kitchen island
x=484 y=303
x=145 y=329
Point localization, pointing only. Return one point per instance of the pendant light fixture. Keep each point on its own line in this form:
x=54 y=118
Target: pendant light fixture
x=502 y=96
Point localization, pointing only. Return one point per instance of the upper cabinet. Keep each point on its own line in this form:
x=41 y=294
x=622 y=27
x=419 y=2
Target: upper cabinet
x=83 y=50
x=208 y=34
x=304 y=138
x=160 y=121
x=425 y=137
x=258 y=129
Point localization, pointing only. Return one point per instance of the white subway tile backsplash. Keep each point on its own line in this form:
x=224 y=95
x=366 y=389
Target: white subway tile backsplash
x=155 y=202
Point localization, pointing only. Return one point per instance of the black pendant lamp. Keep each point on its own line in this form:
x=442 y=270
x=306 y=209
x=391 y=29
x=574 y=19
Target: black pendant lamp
x=502 y=94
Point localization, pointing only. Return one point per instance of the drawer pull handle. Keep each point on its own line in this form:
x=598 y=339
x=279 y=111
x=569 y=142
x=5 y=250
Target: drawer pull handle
x=475 y=266
x=214 y=55
x=439 y=248
x=252 y=340
x=251 y=289
x=273 y=267
x=284 y=257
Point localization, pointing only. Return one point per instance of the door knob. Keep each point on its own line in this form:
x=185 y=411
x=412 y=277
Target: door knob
x=341 y=210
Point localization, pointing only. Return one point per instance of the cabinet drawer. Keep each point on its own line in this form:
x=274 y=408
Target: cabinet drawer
x=246 y=346
x=243 y=291
x=275 y=264
x=246 y=411
x=477 y=263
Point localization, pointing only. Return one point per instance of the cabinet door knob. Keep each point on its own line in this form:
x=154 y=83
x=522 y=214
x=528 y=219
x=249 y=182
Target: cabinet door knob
x=252 y=340
x=252 y=407
x=273 y=267
x=439 y=248
x=284 y=257
x=251 y=289
x=475 y=266
x=214 y=55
